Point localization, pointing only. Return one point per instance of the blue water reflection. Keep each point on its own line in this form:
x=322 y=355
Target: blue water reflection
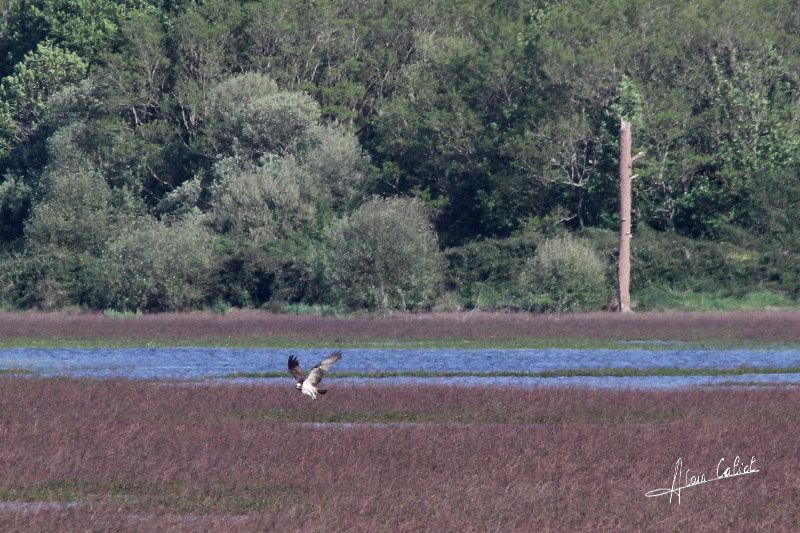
x=198 y=363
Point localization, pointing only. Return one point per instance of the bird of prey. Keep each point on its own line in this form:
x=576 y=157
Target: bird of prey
x=308 y=385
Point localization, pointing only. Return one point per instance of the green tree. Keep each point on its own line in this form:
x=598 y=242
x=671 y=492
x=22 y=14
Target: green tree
x=257 y=201
x=756 y=104
x=250 y=117
x=85 y=27
x=276 y=144
x=346 y=55
x=64 y=237
x=564 y=275
x=561 y=156
x=24 y=92
x=139 y=69
x=154 y=267
x=340 y=169
x=205 y=41
x=15 y=204
x=472 y=87
x=74 y=212
x=383 y=256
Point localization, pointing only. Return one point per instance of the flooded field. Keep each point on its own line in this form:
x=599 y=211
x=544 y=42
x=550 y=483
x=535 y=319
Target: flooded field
x=652 y=366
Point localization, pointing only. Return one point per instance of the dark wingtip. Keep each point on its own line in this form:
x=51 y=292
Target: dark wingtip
x=292 y=360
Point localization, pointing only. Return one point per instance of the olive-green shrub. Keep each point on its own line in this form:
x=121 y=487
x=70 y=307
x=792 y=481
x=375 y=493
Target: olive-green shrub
x=384 y=255
x=564 y=275
x=155 y=267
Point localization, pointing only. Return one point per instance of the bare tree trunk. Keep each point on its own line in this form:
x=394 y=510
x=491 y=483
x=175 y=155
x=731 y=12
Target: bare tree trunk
x=625 y=166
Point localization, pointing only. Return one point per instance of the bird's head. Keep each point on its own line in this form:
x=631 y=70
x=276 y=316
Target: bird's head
x=298 y=386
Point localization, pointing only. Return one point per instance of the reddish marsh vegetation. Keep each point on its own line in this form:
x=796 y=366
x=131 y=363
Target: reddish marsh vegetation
x=256 y=326
x=137 y=455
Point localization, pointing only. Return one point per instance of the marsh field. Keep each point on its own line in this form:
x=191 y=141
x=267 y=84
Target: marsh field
x=114 y=454
x=256 y=328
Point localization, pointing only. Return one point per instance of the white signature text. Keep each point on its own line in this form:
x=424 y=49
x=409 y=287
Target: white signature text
x=682 y=479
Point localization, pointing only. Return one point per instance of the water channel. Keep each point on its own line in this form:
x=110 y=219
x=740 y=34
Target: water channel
x=203 y=363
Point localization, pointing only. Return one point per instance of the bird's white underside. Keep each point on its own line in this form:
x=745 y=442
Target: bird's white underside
x=309 y=390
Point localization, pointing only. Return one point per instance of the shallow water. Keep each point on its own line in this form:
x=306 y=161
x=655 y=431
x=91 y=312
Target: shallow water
x=216 y=363
x=35 y=506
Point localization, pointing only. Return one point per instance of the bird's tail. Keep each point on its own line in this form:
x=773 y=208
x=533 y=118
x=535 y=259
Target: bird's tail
x=322 y=391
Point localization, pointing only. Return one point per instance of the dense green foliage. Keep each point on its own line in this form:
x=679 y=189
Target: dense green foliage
x=564 y=275
x=382 y=256
x=175 y=154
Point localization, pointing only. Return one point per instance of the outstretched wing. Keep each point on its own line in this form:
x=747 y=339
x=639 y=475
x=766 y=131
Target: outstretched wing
x=315 y=376
x=294 y=369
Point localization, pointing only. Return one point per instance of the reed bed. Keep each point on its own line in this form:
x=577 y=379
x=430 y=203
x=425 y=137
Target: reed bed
x=126 y=455
x=256 y=327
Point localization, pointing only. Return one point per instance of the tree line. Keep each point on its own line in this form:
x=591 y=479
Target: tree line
x=159 y=155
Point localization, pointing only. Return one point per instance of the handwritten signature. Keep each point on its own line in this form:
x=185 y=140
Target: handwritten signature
x=682 y=480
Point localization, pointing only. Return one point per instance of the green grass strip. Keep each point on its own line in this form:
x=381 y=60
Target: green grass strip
x=565 y=373
x=15 y=371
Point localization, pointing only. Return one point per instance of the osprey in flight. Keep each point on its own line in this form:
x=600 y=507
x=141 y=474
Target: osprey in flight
x=308 y=385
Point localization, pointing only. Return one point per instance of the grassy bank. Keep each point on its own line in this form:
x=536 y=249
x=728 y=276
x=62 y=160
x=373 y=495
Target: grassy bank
x=622 y=372
x=97 y=455
x=473 y=329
